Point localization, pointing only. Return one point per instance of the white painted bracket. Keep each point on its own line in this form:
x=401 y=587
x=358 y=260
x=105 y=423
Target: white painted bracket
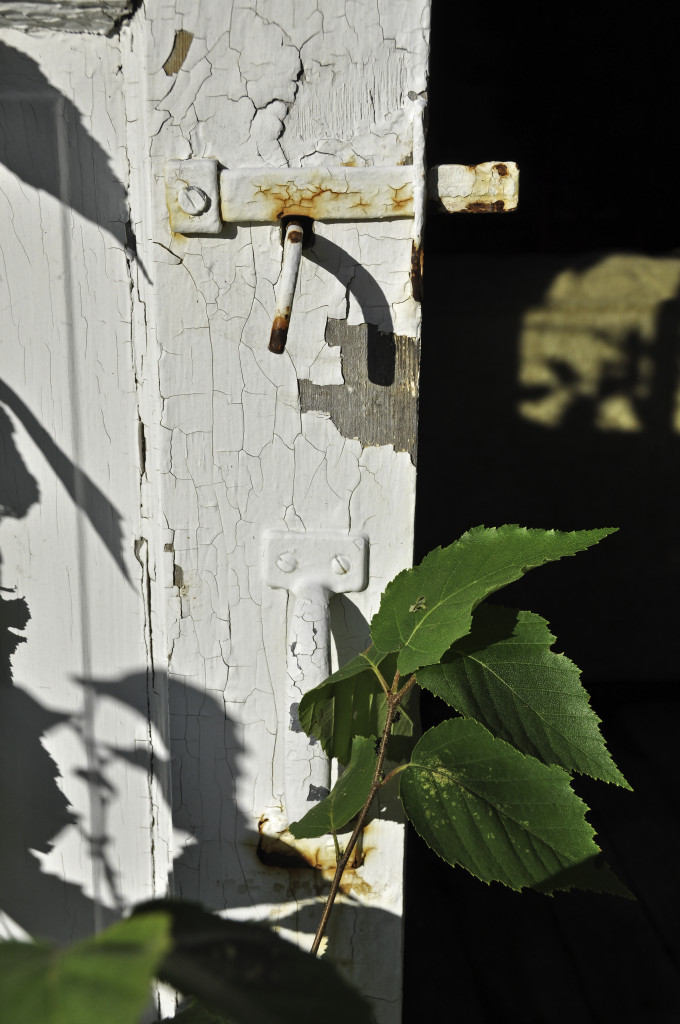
x=311 y=567
x=193 y=196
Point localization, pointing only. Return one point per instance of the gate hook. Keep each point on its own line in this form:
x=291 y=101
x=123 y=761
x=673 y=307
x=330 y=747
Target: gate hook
x=292 y=251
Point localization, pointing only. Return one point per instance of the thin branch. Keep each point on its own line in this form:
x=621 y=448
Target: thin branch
x=392 y=704
x=408 y=685
x=381 y=679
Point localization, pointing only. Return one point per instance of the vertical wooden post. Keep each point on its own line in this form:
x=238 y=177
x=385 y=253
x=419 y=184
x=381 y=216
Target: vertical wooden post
x=241 y=441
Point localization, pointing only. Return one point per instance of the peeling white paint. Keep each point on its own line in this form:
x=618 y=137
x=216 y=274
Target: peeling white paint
x=271 y=85
x=187 y=656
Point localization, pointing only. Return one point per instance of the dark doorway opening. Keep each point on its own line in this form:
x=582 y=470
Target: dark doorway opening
x=549 y=397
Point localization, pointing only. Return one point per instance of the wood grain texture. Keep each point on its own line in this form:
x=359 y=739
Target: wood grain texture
x=378 y=402
x=63 y=15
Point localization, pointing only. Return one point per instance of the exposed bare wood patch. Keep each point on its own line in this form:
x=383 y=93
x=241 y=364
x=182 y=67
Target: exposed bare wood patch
x=378 y=402
x=178 y=54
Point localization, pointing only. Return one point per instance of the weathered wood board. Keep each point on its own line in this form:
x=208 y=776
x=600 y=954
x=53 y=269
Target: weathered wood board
x=240 y=440
x=78 y=792
x=166 y=440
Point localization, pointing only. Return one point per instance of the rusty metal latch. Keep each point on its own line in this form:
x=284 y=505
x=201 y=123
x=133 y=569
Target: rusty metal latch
x=311 y=567
x=285 y=292
x=202 y=197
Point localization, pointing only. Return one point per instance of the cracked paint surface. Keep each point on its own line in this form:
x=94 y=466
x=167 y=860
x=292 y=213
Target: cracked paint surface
x=230 y=453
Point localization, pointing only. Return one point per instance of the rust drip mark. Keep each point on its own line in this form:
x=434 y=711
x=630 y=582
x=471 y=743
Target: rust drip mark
x=502 y=170
x=401 y=201
x=313 y=202
x=417 y=272
x=279 y=334
x=178 y=54
x=480 y=207
x=282 y=851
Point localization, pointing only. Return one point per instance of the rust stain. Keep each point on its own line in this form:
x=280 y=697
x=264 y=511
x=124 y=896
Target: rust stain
x=296 y=237
x=178 y=54
x=417 y=272
x=400 y=201
x=279 y=335
x=343 y=193
x=286 y=200
x=502 y=169
x=353 y=884
x=481 y=207
x=283 y=851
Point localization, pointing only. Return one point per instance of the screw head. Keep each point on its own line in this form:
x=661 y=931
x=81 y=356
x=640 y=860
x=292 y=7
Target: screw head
x=193 y=200
x=340 y=564
x=287 y=562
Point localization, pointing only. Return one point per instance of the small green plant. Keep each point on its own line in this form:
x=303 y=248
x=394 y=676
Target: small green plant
x=490 y=789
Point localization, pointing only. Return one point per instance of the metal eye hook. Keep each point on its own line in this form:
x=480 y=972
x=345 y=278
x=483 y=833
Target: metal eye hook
x=285 y=291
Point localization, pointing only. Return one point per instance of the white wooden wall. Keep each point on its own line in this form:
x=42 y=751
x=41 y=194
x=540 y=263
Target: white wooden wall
x=77 y=848
x=153 y=641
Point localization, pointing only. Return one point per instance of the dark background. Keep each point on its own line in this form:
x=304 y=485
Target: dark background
x=587 y=106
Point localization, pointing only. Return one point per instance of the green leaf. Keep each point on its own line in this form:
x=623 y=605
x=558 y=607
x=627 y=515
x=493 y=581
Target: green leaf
x=426 y=609
x=249 y=974
x=104 y=980
x=346 y=798
x=350 y=703
x=504 y=817
x=505 y=676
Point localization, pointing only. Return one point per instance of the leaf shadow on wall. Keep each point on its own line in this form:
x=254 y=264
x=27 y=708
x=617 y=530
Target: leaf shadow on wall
x=221 y=852
x=49 y=148
x=102 y=514
x=33 y=809
x=516 y=458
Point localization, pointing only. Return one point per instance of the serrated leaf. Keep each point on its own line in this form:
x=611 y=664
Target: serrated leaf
x=350 y=703
x=249 y=974
x=105 y=979
x=501 y=815
x=504 y=675
x=346 y=798
x=424 y=610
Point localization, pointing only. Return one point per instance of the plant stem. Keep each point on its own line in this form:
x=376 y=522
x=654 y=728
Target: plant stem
x=394 y=699
x=395 y=771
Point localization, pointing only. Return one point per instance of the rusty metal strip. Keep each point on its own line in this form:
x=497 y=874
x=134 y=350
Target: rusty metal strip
x=322 y=193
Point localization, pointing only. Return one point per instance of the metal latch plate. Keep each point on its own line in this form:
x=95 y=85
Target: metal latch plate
x=333 y=560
